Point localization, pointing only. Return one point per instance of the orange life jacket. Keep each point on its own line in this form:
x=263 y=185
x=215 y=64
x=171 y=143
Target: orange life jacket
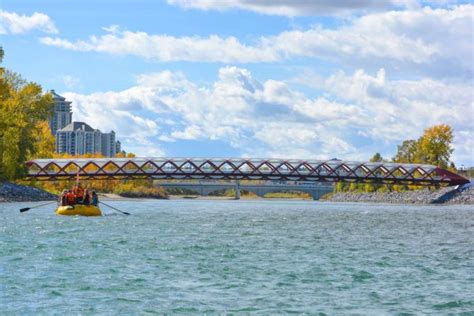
x=79 y=193
x=70 y=198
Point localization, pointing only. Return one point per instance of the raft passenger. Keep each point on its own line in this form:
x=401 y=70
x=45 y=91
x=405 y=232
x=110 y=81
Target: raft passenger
x=70 y=198
x=78 y=192
x=94 y=198
x=62 y=198
x=86 y=199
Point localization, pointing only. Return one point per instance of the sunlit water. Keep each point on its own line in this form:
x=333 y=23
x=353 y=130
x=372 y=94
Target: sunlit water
x=238 y=256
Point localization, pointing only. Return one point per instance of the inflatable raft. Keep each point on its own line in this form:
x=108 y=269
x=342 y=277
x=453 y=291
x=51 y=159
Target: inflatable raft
x=79 y=209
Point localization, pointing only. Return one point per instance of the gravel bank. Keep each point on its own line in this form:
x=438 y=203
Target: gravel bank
x=442 y=196
x=11 y=192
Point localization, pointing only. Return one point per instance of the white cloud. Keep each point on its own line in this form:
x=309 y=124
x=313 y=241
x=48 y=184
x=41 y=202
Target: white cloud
x=423 y=41
x=69 y=81
x=189 y=133
x=438 y=41
x=293 y=7
x=13 y=23
x=400 y=109
x=168 y=48
x=359 y=113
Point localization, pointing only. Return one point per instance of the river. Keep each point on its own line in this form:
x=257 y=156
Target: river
x=193 y=256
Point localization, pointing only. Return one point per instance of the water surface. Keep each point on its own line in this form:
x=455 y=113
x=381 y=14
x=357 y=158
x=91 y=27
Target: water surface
x=238 y=256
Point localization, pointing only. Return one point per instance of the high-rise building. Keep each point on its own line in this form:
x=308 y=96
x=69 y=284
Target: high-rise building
x=118 y=147
x=79 y=138
x=62 y=115
x=108 y=144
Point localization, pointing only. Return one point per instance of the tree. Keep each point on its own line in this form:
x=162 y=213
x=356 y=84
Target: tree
x=45 y=142
x=407 y=152
x=376 y=158
x=22 y=108
x=435 y=145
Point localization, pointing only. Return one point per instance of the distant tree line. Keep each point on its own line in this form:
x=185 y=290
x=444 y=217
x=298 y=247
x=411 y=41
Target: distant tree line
x=434 y=147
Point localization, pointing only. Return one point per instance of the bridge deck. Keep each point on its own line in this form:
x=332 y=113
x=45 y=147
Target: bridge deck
x=242 y=169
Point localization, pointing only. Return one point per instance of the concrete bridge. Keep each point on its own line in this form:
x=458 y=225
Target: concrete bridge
x=316 y=190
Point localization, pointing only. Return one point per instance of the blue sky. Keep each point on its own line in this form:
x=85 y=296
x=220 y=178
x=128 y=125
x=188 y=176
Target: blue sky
x=304 y=79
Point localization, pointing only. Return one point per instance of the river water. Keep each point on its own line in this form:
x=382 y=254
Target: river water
x=238 y=256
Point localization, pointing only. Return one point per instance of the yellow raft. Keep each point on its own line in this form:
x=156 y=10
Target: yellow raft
x=79 y=209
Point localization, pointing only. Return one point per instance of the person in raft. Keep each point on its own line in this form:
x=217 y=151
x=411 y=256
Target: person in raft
x=63 y=198
x=87 y=198
x=78 y=192
x=70 y=198
x=78 y=196
x=94 y=198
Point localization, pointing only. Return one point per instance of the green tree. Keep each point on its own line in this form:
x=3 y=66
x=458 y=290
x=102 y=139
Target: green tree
x=376 y=158
x=407 y=152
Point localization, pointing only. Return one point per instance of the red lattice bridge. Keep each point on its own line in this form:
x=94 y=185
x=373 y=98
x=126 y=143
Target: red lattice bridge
x=242 y=169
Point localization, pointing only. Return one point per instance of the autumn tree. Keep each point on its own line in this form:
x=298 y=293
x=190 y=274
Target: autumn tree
x=433 y=147
x=45 y=143
x=22 y=107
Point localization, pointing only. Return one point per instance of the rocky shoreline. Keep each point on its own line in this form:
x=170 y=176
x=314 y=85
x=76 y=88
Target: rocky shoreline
x=12 y=192
x=449 y=195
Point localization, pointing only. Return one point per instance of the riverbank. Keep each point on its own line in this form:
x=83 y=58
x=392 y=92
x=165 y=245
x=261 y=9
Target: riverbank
x=12 y=192
x=442 y=196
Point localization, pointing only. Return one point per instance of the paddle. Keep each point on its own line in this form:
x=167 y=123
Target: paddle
x=114 y=208
x=29 y=208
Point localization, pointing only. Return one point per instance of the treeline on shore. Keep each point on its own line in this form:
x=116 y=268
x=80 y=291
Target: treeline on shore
x=434 y=147
x=142 y=188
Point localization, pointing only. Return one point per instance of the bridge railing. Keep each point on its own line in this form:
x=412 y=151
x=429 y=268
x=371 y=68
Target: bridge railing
x=242 y=169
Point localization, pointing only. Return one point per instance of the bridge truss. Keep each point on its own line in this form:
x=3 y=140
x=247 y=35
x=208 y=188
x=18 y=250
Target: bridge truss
x=241 y=169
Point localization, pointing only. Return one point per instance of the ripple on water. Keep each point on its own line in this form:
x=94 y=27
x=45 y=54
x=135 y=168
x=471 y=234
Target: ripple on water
x=239 y=257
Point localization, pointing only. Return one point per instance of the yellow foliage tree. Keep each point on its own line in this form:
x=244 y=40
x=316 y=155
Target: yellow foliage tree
x=45 y=141
x=435 y=145
x=22 y=108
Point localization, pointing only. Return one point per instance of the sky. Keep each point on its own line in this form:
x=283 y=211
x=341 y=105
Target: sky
x=253 y=78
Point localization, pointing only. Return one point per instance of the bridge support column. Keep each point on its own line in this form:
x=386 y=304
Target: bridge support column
x=260 y=193
x=205 y=191
x=237 y=190
x=316 y=195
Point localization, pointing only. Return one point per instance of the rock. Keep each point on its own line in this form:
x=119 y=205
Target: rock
x=450 y=195
x=11 y=192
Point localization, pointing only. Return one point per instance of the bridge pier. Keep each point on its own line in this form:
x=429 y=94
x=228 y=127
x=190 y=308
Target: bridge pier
x=315 y=195
x=204 y=191
x=237 y=190
x=260 y=193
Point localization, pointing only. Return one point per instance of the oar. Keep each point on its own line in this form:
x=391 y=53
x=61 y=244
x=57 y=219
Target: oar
x=115 y=208
x=29 y=208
